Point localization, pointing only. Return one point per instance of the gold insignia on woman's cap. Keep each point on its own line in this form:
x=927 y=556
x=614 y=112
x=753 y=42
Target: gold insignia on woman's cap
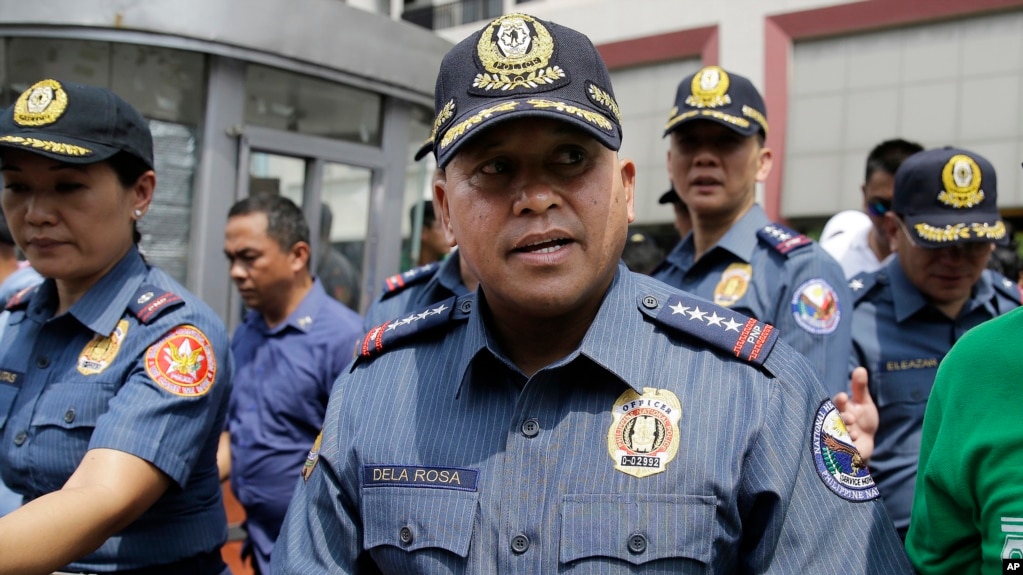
x=40 y=105
x=961 y=177
x=513 y=57
x=709 y=88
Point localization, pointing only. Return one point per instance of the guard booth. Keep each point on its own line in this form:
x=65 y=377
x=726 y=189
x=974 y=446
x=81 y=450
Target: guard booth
x=311 y=99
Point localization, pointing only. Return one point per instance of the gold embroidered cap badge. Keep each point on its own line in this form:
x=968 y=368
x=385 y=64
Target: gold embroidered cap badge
x=961 y=177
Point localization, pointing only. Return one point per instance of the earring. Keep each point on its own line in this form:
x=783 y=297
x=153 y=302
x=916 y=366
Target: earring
x=138 y=213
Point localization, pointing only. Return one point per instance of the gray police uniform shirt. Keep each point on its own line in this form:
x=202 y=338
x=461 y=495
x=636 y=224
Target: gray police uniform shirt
x=415 y=289
x=679 y=437
x=778 y=276
x=139 y=365
x=901 y=339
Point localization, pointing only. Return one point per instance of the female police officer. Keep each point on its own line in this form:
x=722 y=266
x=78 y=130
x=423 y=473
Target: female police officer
x=113 y=379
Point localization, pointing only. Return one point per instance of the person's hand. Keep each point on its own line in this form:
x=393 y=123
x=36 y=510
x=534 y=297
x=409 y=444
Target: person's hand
x=859 y=413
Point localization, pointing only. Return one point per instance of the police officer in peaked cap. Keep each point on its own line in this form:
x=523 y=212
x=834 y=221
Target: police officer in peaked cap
x=570 y=415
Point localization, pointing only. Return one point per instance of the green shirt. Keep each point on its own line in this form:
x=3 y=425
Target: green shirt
x=968 y=507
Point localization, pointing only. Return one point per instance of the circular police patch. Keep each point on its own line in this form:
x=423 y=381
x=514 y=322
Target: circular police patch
x=838 y=463
x=183 y=362
x=816 y=308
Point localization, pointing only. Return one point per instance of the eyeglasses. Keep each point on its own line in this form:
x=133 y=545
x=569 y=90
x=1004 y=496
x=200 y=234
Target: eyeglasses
x=879 y=207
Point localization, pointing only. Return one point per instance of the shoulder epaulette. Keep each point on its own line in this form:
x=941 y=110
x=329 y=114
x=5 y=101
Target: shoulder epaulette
x=782 y=239
x=391 y=334
x=21 y=298
x=861 y=284
x=1007 y=287
x=731 y=332
x=149 y=302
x=398 y=282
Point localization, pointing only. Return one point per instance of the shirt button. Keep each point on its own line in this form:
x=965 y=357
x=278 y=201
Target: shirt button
x=406 y=536
x=466 y=306
x=43 y=362
x=530 y=427
x=917 y=396
x=20 y=438
x=637 y=543
x=520 y=543
x=69 y=415
x=649 y=302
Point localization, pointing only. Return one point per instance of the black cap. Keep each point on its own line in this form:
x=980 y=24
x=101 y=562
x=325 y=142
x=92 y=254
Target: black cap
x=520 y=66
x=669 y=197
x=716 y=95
x=75 y=123
x=948 y=197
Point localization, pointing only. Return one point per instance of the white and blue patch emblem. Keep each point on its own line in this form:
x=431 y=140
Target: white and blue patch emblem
x=816 y=307
x=838 y=463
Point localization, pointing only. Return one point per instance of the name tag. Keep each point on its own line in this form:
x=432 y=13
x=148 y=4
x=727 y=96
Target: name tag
x=11 y=377
x=458 y=478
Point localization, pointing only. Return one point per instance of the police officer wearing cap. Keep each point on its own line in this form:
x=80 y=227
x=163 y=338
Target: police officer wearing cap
x=683 y=222
x=943 y=225
x=735 y=256
x=114 y=379
x=570 y=415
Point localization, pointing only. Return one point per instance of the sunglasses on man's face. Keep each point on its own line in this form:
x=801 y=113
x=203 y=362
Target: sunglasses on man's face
x=879 y=207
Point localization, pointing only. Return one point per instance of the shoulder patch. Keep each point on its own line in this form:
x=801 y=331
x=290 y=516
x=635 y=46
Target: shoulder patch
x=1007 y=287
x=782 y=239
x=746 y=338
x=391 y=334
x=816 y=308
x=183 y=362
x=838 y=463
x=149 y=302
x=20 y=299
x=861 y=284
x=398 y=282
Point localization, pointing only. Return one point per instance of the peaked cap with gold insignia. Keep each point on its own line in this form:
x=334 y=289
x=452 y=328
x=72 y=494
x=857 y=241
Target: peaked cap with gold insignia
x=520 y=66
x=718 y=96
x=947 y=197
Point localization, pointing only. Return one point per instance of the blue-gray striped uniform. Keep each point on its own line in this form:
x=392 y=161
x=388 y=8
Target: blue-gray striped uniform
x=415 y=289
x=440 y=456
x=901 y=339
x=80 y=381
x=791 y=283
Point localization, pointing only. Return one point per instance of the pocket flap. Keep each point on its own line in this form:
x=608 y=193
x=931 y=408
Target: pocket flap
x=412 y=518
x=73 y=405
x=637 y=528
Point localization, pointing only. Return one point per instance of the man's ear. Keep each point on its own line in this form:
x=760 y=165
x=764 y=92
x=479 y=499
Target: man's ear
x=299 y=257
x=440 y=204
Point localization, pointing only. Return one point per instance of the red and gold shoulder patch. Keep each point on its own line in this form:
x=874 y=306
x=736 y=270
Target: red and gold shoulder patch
x=183 y=362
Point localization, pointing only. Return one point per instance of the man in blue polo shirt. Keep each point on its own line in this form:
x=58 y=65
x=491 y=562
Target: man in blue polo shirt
x=288 y=351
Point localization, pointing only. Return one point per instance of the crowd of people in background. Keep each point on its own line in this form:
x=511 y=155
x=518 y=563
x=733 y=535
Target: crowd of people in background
x=546 y=385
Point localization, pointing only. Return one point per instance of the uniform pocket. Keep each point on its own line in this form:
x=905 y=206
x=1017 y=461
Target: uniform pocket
x=413 y=518
x=637 y=528
x=72 y=405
